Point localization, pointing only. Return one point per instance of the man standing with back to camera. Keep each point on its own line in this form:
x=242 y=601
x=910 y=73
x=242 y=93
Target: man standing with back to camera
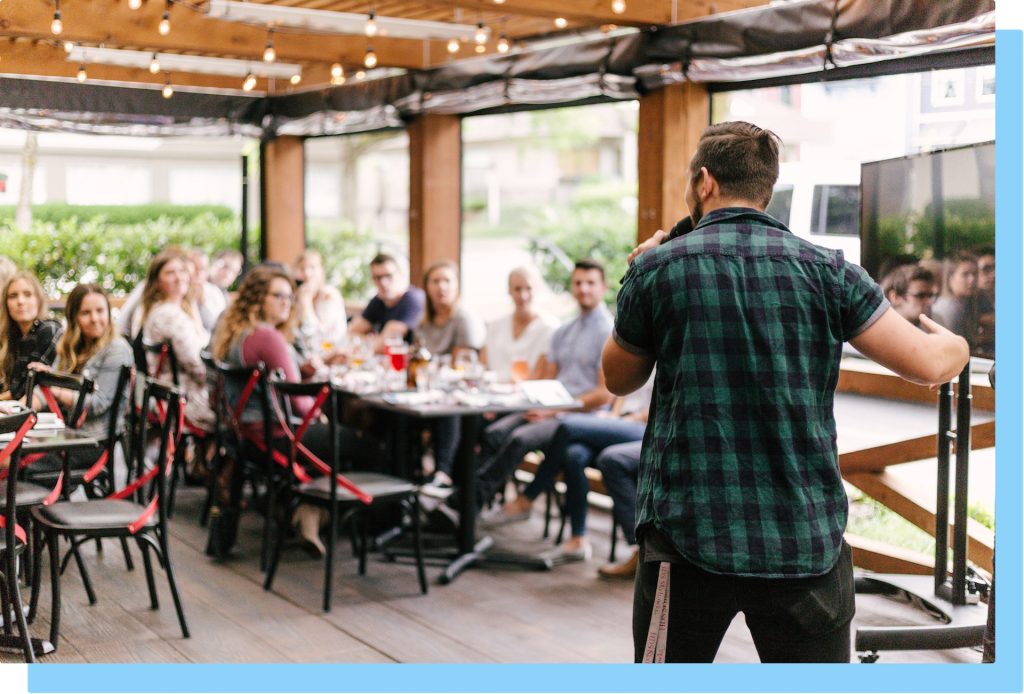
x=741 y=507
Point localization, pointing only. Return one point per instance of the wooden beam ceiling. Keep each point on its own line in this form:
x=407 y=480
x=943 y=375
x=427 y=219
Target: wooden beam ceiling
x=32 y=49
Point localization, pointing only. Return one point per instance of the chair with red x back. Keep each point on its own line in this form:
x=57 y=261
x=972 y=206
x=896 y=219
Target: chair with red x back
x=136 y=511
x=348 y=497
x=13 y=540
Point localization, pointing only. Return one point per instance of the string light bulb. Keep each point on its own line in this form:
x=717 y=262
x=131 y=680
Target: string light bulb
x=269 y=54
x=499 y=2
x=371 y=24
x=69 y=46
x=561 y=22
x=56 y=26
x=503 y=44
x=453 y=46
x=481 y=34
x=168 y=90
x=249 y=83
x=480 y=48
x=370 y=59
x=82 y=74
x=361 y=75
x=337 y=71
x=618 y=6
x=296 y=78
x=154 y=65
x=134 y=4
x=165 y=22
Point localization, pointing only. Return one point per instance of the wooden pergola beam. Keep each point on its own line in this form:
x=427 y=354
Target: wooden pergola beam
x=282 y=192
x=435 y=192
x=595 y=12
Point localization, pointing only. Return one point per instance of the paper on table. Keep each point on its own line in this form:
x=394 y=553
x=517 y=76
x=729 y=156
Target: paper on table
x=549 y=393
x=48 y=420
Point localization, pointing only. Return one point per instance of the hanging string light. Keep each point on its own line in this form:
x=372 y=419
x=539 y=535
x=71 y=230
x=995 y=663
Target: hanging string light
x=453 y=46
x=165 y=21
x=479 y=48
x=561 y=22
x=56 y=26
x=69 y=46
x=296 y=78
x=269 y=54
x=82 y=74
x=337 y=74
x=503 y=44
x=481 y=34
x=371 y=24
x=134 y=4
x=249 y=83
x=168 y=90
x=154 y=65
x=370 y=59
x=618 y=6
x=499 y=2
x=361 y=75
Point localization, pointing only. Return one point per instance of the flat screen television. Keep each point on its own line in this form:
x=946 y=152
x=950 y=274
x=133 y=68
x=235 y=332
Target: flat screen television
x=934 y=210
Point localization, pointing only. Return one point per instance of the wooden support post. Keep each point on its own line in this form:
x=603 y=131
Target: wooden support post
x=435 y=192
x=282 y=197
x=671 y=122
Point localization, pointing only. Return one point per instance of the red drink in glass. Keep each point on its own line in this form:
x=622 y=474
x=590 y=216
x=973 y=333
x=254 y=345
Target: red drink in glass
x=399 y=357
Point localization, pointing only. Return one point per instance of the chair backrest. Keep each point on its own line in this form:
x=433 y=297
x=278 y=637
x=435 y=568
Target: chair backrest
x=162 y=353
x=45 y=380
x=239 y=387
x=125 y=381
x=13 y=429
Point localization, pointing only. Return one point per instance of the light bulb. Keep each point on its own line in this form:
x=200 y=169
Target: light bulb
x=337 y=70
x=165 y=24
x=56 y=26
x=249 y=83
x=134 y=4
x=168 y=90
x=338 y=80
x=618 y=6
x=296 y=78
x=269 y=54
x=453 y=45
x=503 y=44
x=561 y=22
x=499 y=2
x=371 y=25
x=69 y=46
x=361 y=75
x=481 y=34
x=479 y=48
x=154 y=65
x=370 y=59
x=82 y=75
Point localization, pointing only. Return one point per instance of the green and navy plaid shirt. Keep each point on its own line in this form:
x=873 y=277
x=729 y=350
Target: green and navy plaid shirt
x=746 y=322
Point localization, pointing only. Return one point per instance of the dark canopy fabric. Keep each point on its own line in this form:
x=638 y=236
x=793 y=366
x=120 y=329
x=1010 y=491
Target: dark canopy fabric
x=767 y=42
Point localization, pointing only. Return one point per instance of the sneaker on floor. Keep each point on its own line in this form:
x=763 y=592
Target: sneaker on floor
x=440 y=487
x=623 y=569
x=498 y=517
x=560 y=555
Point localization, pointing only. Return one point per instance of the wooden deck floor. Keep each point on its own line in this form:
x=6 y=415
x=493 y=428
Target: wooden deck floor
x=487 y=615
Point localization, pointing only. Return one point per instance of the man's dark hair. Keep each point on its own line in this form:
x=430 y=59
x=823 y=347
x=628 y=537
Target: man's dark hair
x=742 y=157
x=898 y=281
x=589 y=264
x=382 y=258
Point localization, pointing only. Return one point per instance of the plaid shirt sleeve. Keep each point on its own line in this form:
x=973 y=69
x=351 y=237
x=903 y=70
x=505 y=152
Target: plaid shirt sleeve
x=633 y=316
x=862 y=300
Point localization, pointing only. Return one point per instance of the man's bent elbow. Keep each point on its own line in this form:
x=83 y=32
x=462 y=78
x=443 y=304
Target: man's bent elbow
x=946 y=365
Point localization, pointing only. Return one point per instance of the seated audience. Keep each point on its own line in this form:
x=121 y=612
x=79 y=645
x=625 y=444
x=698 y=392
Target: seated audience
x=396 y=309
x=574 y=359
x=27 y=334
x=210 y=300
x=447 y=328
x=322 y=320
x=956 y=309
x=581 y=441
x=516 y=342
x=259 y=326
x=224 y=270
x=168 y=314
x=911 y=290
x=986 y=343
x=91 y=347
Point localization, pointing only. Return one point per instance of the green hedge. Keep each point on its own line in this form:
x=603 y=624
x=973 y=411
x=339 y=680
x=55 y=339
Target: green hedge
x=115 y=256
x=57 y=212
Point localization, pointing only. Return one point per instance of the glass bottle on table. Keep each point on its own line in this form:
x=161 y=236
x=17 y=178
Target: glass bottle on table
x=419 y=360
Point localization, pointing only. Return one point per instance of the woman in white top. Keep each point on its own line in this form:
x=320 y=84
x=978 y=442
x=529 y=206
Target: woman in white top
x=522 y=336
x=322 y=320
x=169 y=315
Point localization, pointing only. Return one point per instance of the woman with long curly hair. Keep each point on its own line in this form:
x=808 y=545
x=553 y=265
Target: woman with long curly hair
x=259 y=326
x=27 y=334
x=169 y=315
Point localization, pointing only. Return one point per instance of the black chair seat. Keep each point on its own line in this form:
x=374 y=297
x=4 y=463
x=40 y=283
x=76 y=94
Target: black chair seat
x=376 y=485
x=96 y=515
x=28 y=494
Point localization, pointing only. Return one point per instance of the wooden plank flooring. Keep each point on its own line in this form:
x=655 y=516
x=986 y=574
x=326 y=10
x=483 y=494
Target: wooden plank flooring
x=487 y=615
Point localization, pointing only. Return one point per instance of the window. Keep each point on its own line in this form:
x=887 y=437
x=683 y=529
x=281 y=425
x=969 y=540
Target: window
x=781 y=204
x=836 y=210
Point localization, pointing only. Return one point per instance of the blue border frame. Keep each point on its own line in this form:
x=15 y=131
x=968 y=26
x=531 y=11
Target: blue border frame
x=1003 y=676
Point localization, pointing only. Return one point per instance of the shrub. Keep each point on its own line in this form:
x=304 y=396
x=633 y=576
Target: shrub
x=58 y=212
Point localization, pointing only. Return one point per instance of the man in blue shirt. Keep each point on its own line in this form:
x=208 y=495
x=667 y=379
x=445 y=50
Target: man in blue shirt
x=396 y=309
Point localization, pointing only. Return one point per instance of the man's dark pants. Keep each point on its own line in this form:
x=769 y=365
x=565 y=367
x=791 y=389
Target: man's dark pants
x=799 y=620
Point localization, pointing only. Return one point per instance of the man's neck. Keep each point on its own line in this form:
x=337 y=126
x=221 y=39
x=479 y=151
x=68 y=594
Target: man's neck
x=390 y=303
x=720 y=203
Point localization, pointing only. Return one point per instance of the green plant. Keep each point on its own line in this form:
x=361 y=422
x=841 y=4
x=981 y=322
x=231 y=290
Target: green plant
x=57 y=212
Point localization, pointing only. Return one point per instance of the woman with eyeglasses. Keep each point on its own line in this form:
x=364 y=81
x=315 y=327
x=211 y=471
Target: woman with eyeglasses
x=27 y=334
x=259 y=327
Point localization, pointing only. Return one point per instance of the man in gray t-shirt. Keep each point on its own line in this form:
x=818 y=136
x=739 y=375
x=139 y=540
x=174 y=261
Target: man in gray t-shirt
x=575 y=360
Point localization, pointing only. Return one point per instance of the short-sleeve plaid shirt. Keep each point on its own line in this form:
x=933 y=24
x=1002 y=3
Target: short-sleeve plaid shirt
x=746 y=322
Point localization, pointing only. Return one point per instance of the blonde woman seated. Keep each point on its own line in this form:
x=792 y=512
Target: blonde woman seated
x=169 y=315
x=259 y=326
x=90 y=347
x=27 y=334
x=322 y=320
x=517 y=341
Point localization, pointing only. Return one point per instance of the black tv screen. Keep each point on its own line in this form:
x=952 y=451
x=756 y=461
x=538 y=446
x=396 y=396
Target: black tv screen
x=937 y=211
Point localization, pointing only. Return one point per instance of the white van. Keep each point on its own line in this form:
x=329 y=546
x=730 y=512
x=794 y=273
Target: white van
x=820 y=201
